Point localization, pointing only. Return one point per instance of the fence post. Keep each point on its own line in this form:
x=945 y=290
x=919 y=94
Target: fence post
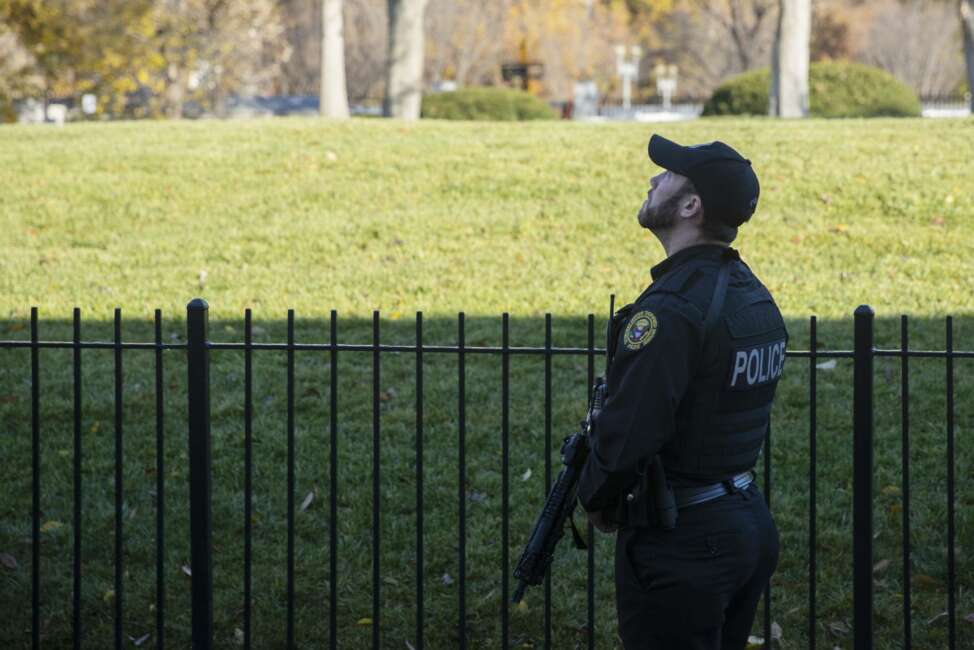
x=862 y=480
x=199 y=472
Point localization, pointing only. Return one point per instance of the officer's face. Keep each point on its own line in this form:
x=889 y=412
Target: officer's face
x=662 y=205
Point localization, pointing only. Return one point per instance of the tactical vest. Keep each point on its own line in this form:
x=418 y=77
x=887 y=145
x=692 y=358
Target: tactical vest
x=723 y=417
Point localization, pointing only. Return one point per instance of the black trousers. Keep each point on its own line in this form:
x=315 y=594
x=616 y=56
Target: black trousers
x=697 y=586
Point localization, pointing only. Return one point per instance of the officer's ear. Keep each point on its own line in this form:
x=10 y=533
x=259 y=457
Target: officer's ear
x=691 y=206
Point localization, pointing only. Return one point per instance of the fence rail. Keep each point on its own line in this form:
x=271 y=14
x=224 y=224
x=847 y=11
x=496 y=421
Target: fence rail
x=198 y=348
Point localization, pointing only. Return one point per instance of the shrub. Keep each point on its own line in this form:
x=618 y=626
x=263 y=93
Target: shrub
x=488 y=103
x=744 y=94
x=836 y=88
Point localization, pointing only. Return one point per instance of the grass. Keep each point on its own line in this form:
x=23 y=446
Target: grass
x=441 y=218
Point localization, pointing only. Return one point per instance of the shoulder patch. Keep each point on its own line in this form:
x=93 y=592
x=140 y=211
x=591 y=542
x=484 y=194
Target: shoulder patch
x=640 y=330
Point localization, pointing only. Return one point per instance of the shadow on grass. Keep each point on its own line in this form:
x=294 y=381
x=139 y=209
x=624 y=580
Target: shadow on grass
x=482 y=488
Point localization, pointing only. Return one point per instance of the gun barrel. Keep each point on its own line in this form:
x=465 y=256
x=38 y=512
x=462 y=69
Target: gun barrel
x=549 y=527
x=519 y=592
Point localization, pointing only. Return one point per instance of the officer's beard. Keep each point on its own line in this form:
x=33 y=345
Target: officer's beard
x=660 y=218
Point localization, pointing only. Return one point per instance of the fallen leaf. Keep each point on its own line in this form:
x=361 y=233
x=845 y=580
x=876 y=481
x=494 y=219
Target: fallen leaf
x=447 y=579
x=526 y=475
x=308 y=501
x=838 y=628
x=937 y=221
x=891 y=490
x=826 y=199
x=142 y=639
x=839 y=227
x=51 y=525
x=827 y=365
x=94 y=427
x=925 y=580
x=364 y=621
x=521 y=607
x=938 y=616
x=188 y=571
x=8 y=560
x=881 y=566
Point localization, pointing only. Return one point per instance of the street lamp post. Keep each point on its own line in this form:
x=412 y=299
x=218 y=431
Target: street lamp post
x=628 y=70
x=665 y=83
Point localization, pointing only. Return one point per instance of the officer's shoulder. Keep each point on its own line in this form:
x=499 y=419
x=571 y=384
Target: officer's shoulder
x=670 y=305
x=680 y=279
x=684 y=290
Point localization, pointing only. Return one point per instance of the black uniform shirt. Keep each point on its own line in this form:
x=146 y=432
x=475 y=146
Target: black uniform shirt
x=658 y=350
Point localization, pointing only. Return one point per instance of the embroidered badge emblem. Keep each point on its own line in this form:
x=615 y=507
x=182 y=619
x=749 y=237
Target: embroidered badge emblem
x=640 y=330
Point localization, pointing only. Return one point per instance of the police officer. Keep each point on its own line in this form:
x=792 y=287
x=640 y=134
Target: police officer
x=693 y=366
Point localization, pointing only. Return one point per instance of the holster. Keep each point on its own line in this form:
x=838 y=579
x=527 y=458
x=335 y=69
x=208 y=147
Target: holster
x=650 y=502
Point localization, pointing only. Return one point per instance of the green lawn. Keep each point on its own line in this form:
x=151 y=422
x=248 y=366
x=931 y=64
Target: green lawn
x=444 y=217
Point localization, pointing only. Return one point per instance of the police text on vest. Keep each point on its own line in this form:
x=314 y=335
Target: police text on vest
x=757 y=365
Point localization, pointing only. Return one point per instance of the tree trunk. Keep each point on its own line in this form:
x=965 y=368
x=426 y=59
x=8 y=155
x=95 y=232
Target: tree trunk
x=333 y=100
x=404 y=68
x=174 y=93
x=967 y=22
x=788 y=95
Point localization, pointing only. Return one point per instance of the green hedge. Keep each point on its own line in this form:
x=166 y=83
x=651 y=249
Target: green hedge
x=837 y=89
x=488 y=103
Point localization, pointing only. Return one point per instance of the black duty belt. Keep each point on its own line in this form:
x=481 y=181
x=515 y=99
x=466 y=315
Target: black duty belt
x=692 y=496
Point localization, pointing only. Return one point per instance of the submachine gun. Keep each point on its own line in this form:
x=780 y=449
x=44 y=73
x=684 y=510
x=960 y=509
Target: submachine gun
x=560 y=504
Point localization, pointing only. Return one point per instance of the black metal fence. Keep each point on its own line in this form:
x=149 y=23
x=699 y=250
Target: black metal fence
x=198 y=347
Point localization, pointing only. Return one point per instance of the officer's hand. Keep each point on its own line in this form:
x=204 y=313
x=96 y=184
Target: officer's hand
x=600 y=522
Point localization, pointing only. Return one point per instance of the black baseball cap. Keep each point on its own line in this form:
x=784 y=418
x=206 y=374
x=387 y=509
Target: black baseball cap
x=727 y=185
